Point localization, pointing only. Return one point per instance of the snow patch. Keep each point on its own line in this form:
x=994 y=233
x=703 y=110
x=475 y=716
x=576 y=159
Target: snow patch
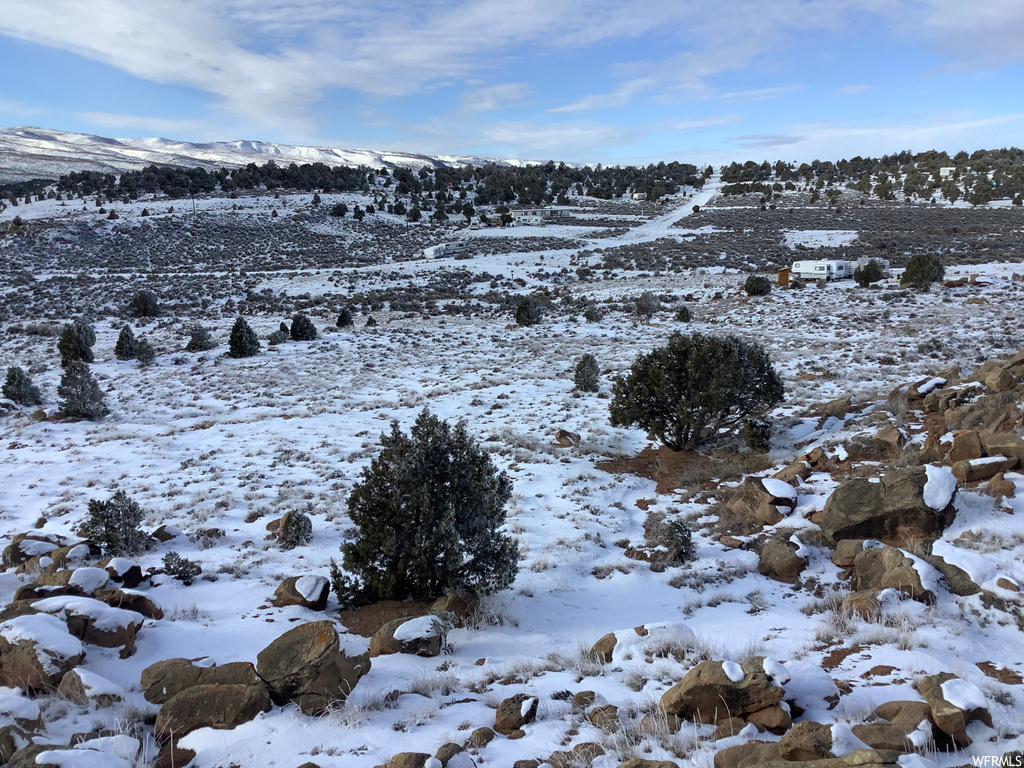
x=89 y=579
x=18 y=707
x=733 y=671
x=104 y=617
x=310 y=587
x=778 y=488
x=843 y=740
x=776 y=671
x=963 y=695
x=940 y=487
x=417 y=629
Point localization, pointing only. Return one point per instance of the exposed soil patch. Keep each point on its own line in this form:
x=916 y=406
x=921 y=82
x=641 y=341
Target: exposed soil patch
x=1003 y=675
x=839 y=655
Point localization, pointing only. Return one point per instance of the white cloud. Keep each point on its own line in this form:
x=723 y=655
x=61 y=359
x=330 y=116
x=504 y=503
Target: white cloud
x=491 y=98
x=18 y=110
x=149 y=125
x=852 y=90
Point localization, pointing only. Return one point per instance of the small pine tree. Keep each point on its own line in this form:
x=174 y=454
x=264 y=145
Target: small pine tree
x=922 y=270
x=126 y=346
x=371 y=322
x=145 y=353
x=79 y=395
x=344 y=318
x=683 y=314
x=757 y=434
x=869 y=273
x=243 y=341
x=428 y=509
x=283 y=328
x=303 y=328
x=200 y=339
x=296 y=530
x=113 y=526
x=180 y=568
x=586 y=373
x=19 y=387
x=76 y=342
x=646 y=306
x=679 y=542
x=277 y=337
x=144 y=304
x=593 y=314
x=529 y=312
x=757 y=285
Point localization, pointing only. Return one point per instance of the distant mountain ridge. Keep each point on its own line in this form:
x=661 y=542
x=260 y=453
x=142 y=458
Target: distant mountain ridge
x=27 y=152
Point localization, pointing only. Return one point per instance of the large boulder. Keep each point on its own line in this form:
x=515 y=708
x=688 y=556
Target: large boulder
x=884 y=567
x=95 y=622
x=1003 y=444
x=913 y=503
x=211 y=706
x=82 y=686
x=25 y=546
x=130 y=601
x=165 y=679
x=763 y=500
x=416 y=635
x=752 y=754
x=305 y=591
x=36 y=651
x=714 y=691
x=807 y=740
x=955 y=704
x=781 y=559
x=305 y=665
x=515 y=712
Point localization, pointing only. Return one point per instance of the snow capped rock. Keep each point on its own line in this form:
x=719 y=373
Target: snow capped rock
x=420 y=627
x=940 y=487
x=89 y=579
x=733 y=671
x=963 y=695
x=776 y=671
x=310 y=587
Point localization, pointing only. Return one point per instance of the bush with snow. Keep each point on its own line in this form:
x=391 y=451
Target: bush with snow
x=113 y=525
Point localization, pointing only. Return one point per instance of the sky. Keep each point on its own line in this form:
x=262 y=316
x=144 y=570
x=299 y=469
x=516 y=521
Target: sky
x=612 y=81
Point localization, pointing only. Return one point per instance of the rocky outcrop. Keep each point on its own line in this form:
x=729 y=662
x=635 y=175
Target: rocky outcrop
x=165 y=679
x=885 y=567
x=211 y=706
x=715 y=691
x=305 y=665
x=763 y=501
x=305 y=591
x=36 y=651
x=780 y=559
x=913 y=503
x=515 y=712
x=807 y=740
x=419 y=636
x=955 y=704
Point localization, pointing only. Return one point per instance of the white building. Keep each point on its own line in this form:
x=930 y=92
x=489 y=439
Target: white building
x=441 y=250
x=946 y=172
x=541 y=216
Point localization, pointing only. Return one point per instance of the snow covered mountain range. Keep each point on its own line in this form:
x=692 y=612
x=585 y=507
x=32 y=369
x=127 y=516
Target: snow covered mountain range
x=27 y=152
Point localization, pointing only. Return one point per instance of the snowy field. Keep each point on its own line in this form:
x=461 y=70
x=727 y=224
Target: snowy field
x=218 y=447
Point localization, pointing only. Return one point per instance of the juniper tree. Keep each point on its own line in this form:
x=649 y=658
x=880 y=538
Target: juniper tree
x=19 y=387
x=586 y=373
x=145 y=353
x=922 y=270
x=869 y=273
x=75 y=343
x=344 y=318
x=79 y=396
x=113 y=526
x=428 y=509
x=180 y=568
x=126 y=346
x=529 y=312
x=200 y=339
x=646 y=306
x=144 y=304
x=692 y=389
x=243 y=341
x=296 y=530
x=757 y=285
x=303 y=328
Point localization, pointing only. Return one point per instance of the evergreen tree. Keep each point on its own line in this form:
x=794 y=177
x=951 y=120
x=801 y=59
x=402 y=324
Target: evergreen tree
x=145 y=353
x=344 y=318
x=303 y=328
x=869 y=273
x=586 y=373
x=144 y=304
x=19 y=387
x=126 y=345
x=200 y=339
x=646 y=306
x=683 y=314
x=113 y=526
x=76 y=342
x=688 y=391
x=757 y=285
x=922 y=270
x=79 y=395
x=529 y=312
x=296 y=530
x=178 y=567
x=243 y=341
x=428 y=509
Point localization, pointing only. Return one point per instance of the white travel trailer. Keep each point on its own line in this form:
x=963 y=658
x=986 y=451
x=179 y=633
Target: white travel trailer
x=441 y=250
x=826 y=269
x=883 y=263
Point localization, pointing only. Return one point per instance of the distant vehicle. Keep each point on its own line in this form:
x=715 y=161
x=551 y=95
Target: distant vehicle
x=458 y=248
x=826 y=269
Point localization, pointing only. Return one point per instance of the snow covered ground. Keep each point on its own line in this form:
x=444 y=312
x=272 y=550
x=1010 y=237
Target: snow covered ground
x=218 y=447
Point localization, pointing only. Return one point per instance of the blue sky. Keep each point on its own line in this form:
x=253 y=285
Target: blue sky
x=577 y=80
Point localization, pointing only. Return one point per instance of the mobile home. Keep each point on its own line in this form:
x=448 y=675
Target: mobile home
x=826 y=269
x=442 y=250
